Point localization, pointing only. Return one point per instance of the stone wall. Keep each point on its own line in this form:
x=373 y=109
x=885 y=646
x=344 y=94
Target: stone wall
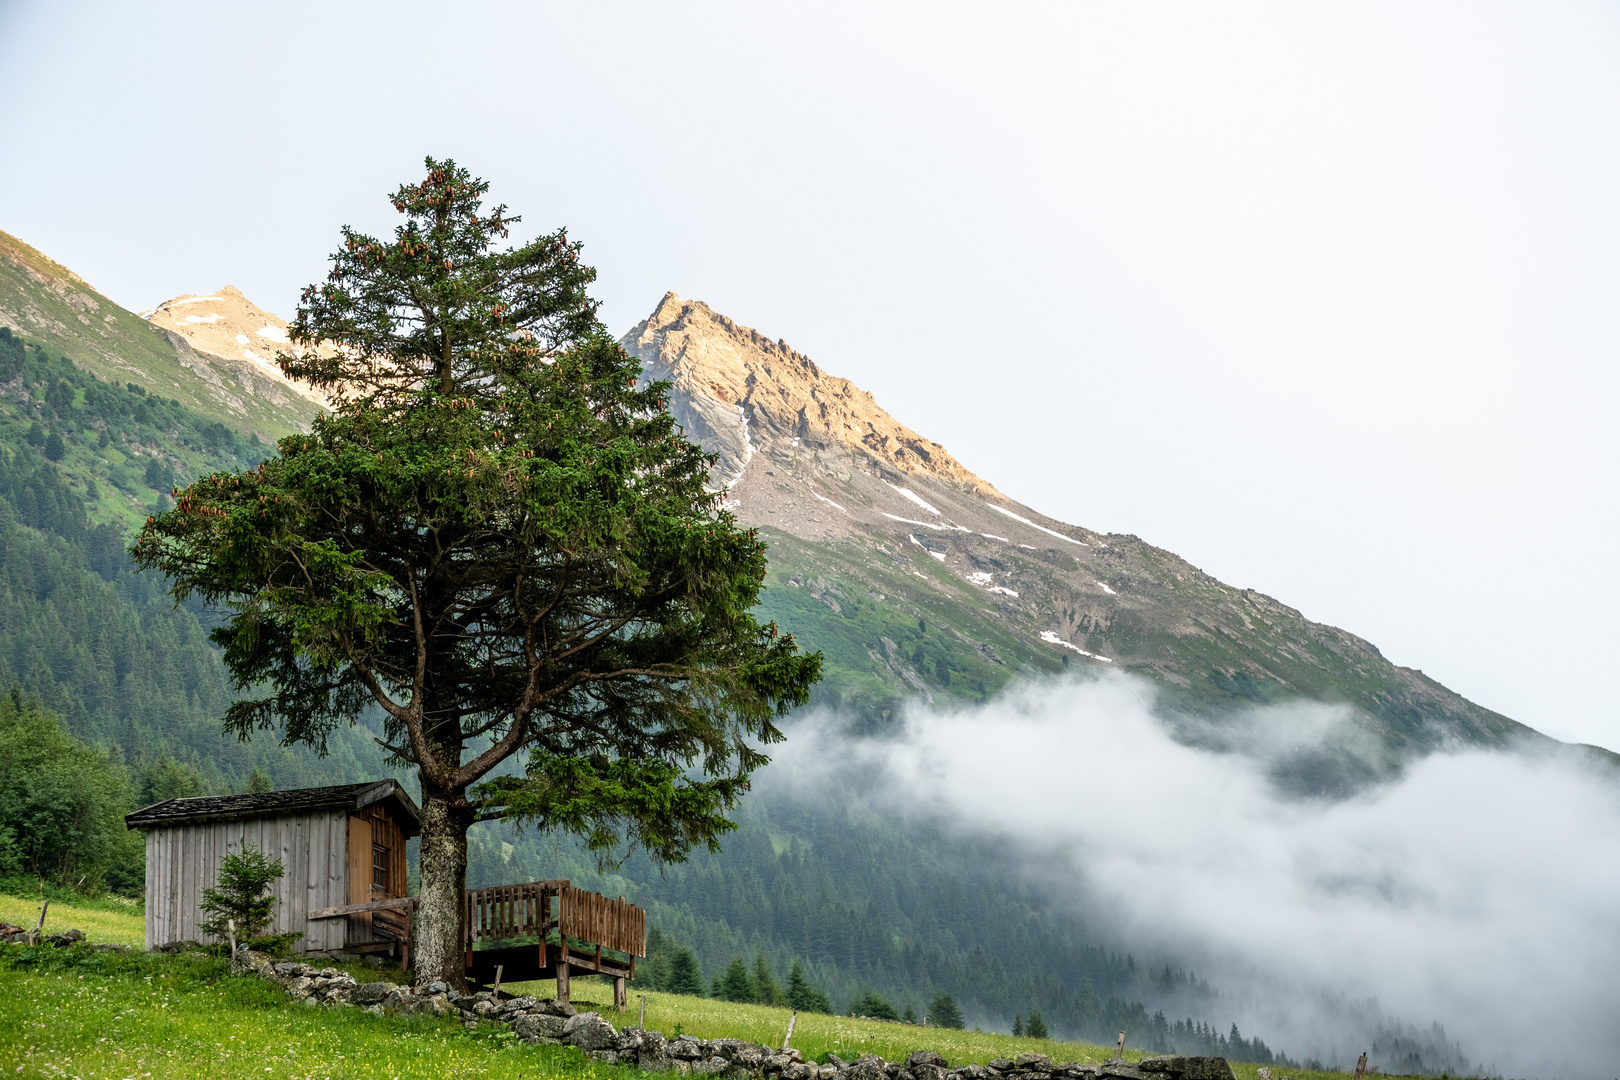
x=534 y=1020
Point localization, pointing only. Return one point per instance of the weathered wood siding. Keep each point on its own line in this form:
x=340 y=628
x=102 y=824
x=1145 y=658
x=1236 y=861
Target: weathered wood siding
x=183 y=860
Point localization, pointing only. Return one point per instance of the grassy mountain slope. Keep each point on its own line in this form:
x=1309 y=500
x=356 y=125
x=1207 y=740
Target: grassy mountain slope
x=49 y=303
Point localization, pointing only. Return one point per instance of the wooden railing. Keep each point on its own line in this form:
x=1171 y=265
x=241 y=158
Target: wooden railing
x=610 y=924
x=505 y=912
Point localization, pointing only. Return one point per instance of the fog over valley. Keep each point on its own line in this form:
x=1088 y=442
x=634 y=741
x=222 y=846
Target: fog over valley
x=1477 y=890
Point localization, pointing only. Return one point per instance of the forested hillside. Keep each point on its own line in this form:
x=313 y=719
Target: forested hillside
x=81 y=461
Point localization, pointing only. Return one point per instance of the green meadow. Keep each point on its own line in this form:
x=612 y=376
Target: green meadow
x=91 y=1014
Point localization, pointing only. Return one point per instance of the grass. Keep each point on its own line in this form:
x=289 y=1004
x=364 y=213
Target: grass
x=816 y=1035
x=110 y=921
x=94 y=1015
x=82 y=1013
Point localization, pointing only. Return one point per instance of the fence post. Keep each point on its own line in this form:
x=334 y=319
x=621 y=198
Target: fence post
x=793 y=1018
x=1121 y=1054
x=643 y=1024
x=35 y=938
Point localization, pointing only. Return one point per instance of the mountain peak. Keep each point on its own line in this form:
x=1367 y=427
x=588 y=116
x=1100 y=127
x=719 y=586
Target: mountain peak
x=738 y=393
x=225 y=323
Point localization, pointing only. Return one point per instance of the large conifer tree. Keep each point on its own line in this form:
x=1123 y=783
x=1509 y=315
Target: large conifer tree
x=501 y=541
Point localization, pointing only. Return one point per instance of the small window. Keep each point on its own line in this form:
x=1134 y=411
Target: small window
x=379 y=867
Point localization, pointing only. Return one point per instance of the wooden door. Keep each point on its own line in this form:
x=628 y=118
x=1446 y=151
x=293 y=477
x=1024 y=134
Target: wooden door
x=359 y=875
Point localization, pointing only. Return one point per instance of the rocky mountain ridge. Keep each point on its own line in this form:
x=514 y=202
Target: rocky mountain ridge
x=918 y=578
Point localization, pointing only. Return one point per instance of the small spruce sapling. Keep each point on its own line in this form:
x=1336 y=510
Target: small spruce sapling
x=1018 y=1025
x=1036 y=1028
x=241 y=894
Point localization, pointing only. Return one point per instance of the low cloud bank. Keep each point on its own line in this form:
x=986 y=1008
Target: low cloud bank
x=1480 y=890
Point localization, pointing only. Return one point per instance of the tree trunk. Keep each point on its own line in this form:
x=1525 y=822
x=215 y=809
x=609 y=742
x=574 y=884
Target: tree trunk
x=441 y=932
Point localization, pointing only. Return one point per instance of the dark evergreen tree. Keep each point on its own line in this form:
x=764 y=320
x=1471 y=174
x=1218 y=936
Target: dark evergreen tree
x=766 y=991
x=685 y=977
x=872 y=1005
x=1018 y=1025
x=1036 y=1028
x=943 y=1012
x=735 y=985
x=803 y=997
x=55 y=448
x=500 y=539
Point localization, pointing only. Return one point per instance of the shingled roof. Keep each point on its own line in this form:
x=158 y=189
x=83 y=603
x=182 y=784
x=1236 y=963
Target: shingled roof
x=279 y=804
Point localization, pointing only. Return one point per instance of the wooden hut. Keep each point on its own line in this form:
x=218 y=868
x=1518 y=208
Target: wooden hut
x=340 y=846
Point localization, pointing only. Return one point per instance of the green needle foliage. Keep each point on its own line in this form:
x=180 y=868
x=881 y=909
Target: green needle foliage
x=872 y=1005
x=502 y=541
x=944 y=1012
x=801 y=996
x=241 y=895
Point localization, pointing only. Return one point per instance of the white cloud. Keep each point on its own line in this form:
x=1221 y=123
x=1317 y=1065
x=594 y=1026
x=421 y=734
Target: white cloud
x=1478 y=891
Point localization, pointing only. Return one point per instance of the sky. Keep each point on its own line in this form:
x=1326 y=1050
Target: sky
x=1320 y=297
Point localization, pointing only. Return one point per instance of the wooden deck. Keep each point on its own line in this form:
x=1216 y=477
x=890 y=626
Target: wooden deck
x=534 y=930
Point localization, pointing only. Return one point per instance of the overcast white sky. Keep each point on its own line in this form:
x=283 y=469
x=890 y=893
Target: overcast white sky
x=1322 y=298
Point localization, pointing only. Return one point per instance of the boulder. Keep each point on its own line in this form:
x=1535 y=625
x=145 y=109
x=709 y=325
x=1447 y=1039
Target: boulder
x=927 y=1057
x=588 y=1031
x=973 y=1072
x=518 y=1004
x=606 y=1057
x=66 y=937
x=1001 y=1064
x=373 y=993
x=532 y=1027
x=867 y=1067
x=299 y=986
x=1033 y=1062
x=684 y=1048
x=1187 y=1068
x=748 y=1056
x=710 y=1066
x=1124 y=1070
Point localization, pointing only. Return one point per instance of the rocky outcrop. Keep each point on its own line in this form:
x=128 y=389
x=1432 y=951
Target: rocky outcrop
x=230 y=328
x=738 y=392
